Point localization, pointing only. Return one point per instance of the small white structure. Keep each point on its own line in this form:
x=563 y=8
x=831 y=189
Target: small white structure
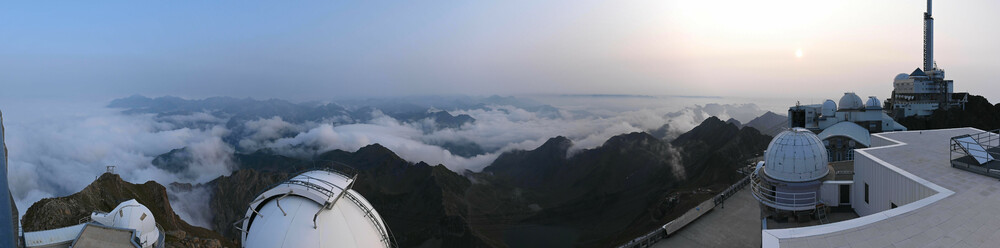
x=794 y=165
x=314 y=209
x=131 y=215
x=846 y=127
x=130 y=224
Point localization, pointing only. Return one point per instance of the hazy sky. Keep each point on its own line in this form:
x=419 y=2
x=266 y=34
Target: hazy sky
x=327 y=49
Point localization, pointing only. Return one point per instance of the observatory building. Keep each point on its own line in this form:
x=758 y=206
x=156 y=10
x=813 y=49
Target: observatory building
x=922 y=91
x=130 y=224
x=789 y=181
x=314 y=209
x=843 y=126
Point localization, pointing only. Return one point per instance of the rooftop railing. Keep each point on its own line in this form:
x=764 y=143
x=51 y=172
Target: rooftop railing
x=387 y=238
x=979 y=146
x=975 y=152
x=793 y=201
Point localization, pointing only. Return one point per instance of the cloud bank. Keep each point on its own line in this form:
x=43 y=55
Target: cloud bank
x=58 y=153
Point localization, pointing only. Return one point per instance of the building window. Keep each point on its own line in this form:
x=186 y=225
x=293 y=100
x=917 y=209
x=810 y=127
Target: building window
x=866 y=193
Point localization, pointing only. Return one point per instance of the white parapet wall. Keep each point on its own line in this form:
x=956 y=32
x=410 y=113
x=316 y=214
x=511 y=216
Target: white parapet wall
x=879 y=186
x=887 y=184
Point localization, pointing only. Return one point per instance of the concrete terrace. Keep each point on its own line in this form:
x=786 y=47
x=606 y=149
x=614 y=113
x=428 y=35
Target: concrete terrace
x=734 y=224
x=968 y=217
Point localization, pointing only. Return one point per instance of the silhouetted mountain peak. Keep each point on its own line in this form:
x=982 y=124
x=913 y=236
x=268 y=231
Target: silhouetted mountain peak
x=631 y=140
x=558 y=144
x=735 y=122
x=712 y=130
x=373 y=149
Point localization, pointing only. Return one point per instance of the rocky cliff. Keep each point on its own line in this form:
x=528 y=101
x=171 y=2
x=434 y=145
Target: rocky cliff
x=107 y=192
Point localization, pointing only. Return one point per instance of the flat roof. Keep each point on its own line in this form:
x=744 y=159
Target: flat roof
x=107 y=237
x=963 y=213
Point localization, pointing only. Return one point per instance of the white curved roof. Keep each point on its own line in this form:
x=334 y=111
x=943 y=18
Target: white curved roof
x=829 y=108
x=796 y=155
x=851 y=101
x=873 y=103
x=131 y=215
x=53 y=237
x=314 y=209
x=850 y=130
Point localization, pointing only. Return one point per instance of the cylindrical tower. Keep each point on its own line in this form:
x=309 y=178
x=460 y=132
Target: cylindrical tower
x=929 y=41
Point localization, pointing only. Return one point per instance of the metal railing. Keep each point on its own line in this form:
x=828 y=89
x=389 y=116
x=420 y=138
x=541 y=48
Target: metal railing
x=311 y=183
x=350 y=173
x=980 y=149
x=383 y=231
x=160 y=241
x=782 y=200
x=736 y=187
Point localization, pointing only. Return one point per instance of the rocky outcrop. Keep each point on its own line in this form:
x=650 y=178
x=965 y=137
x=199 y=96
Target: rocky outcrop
x=103 y=195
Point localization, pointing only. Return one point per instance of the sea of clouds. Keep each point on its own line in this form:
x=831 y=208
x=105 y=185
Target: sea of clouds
x=57 y=150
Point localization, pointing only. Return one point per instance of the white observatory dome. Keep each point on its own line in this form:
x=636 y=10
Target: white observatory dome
x=131 y=215
x=796 y=155
x=851 y=101
x=829 y=108
x=873 y=103
x=314 y=209
x=902 y=76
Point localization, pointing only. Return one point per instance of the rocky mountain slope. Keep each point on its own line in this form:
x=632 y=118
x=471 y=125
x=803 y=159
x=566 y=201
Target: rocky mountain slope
x=551 y=196
x=107 y=192
x=596 y=197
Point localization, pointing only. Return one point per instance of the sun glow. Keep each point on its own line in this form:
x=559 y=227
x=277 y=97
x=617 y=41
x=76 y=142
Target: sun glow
x=798 y=53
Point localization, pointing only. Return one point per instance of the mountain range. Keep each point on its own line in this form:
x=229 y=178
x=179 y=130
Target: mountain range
x=590 y=198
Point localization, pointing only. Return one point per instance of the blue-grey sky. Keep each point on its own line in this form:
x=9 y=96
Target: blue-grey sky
x=314 y=50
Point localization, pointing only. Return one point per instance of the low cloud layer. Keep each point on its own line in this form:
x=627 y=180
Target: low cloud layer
x=58 y=153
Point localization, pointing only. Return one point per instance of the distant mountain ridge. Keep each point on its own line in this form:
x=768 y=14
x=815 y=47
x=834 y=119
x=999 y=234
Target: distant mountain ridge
x=769 y=123
x=527 y=193
x=593 y=198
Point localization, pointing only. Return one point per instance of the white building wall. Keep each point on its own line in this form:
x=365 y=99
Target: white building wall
x=885 y=186
x=829 y=192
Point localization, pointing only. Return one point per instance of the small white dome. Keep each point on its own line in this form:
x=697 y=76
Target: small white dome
x=131 y=215
x=829 y=108
x=873 y=103
x=851 y=101
x=796 y=155
x=901 y=76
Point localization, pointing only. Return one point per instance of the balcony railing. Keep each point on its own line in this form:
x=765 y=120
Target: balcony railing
x=793 y=201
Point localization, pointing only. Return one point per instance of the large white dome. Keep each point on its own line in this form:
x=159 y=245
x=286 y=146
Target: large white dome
x=314 y=209
x=796 y=155
x=851 y=101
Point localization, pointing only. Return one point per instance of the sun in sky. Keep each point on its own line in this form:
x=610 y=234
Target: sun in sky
x=798 y=53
